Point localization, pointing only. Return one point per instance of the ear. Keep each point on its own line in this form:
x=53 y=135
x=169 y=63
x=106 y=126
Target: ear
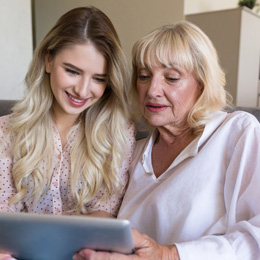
x=48 y=62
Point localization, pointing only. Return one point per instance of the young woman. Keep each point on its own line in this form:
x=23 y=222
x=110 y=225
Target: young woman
x=67 y=145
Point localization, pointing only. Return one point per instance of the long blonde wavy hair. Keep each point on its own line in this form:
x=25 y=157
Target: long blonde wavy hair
x=185 y=45
x=97 y=154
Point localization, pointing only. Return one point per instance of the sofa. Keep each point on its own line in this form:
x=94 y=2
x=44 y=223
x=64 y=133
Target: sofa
x=6 y=105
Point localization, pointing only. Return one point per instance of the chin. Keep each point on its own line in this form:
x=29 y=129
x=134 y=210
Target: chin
x=154 y=121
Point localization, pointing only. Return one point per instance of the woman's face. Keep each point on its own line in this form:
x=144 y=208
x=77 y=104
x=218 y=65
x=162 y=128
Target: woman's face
x=78 y=78
x=166 y=95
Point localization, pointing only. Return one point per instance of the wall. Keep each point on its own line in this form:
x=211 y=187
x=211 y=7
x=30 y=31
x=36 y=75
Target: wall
x=235 y=34
x=131 y=18
x=249 y=63
x=15 y=46
x=198 y=6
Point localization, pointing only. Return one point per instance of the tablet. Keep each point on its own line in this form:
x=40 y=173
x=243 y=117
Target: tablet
x=29 y=236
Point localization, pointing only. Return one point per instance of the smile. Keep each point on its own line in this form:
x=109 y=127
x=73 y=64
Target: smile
x=76 y=102
x=75 y=99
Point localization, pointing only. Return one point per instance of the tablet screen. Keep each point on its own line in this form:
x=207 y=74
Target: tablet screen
x=29 y=236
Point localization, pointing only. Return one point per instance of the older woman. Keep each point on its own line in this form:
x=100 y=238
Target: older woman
x=194 y=186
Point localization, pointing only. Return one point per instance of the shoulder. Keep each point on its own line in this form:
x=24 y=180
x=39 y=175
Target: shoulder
x=230 y=125
x=5 y=119
x=242 y=120
x=5 y=139
x=131 y=129
x=4 y=124
x=237 y=119
x=130 y=132
x=140 y=147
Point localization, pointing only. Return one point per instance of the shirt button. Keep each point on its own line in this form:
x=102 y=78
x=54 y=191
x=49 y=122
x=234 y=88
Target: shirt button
x=55 y=184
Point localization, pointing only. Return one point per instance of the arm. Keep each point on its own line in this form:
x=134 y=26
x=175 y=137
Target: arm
x=7 y=188
x=241 y=224
x=145 y=248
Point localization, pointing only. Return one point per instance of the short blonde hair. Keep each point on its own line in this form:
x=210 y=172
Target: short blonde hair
x=185 y=45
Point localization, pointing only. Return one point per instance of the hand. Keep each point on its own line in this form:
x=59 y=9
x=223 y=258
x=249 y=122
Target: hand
x=145 y=248
x=100 y=214
x=6 y=257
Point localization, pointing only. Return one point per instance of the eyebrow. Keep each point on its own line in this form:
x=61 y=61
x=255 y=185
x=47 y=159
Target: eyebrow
x=72 y=66
x=78 y=69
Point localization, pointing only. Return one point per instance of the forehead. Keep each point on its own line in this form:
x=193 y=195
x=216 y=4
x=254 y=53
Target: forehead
x=169 y=59
x=167 y=50
x=77 y=50
x=162 y=68
x=83 y=56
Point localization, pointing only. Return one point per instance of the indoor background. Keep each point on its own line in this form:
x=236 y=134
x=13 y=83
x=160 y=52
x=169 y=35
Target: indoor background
x=23 y=23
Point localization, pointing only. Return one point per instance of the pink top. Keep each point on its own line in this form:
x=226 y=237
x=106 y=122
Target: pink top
x=58 y=199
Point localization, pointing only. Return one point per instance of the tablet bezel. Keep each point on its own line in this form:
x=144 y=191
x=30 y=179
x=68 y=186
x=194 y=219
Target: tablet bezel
x=57 y=237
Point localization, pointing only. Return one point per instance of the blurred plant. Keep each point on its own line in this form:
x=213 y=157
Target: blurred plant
x=248 y=3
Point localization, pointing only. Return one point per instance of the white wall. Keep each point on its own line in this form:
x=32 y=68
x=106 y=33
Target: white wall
x=236 y=36
x=15 y=46
x=249 y=64
x=198 y=6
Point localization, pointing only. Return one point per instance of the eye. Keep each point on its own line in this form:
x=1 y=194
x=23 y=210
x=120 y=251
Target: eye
x=143 y=77
x=172 y=79
x=100 y=79
x=72 y=72
x=143 y=74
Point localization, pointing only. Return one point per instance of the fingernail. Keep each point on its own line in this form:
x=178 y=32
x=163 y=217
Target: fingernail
x=75 y=257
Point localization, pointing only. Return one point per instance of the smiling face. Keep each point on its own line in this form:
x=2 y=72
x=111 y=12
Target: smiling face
x=166 y=95
x=78 y=78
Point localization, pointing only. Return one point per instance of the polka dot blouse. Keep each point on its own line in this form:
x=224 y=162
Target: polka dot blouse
x=58 y=199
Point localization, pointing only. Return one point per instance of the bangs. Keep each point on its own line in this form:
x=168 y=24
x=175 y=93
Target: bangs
x=163 y=48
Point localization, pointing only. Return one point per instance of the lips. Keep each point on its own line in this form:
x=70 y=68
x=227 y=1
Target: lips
x=155 y=107
x=76 y=101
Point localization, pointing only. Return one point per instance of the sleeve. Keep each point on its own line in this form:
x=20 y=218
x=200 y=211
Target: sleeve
x=241 y=241
x=7 y=189
x=112 y=204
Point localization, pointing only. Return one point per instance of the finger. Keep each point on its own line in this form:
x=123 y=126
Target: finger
x=140 y=240
x=6 y=257
x=78 y=257
x=88 y=254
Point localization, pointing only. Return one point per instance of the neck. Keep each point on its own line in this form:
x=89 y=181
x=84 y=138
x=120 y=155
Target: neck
x=171 y=136
x=63 y=121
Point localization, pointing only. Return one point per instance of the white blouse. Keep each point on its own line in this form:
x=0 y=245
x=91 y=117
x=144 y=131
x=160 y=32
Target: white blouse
x=208 y=201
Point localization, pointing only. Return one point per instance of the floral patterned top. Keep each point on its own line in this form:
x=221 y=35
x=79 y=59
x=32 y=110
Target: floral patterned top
x=58 y=198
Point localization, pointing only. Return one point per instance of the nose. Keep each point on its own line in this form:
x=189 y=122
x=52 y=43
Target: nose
x=155 y=87
x=82 y=88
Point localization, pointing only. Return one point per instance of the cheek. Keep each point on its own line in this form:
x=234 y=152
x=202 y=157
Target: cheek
x=99 y=91
x=102 y=91
x=141 y=93
x=61 y=81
